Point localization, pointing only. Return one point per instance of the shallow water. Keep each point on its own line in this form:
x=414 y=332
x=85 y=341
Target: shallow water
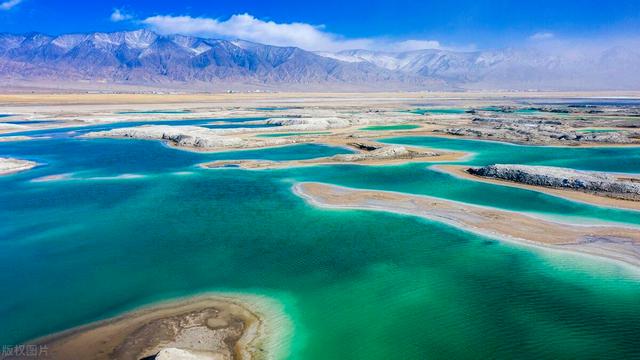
x=617 y=159
x=72 y=131
x=271 y=108
x=358 y=284
x=27 y=122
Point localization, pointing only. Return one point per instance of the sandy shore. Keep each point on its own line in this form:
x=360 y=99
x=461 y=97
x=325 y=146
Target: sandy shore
x=15 y=138
x=213 y=326
x=361 y=157
x=355 y=110
x=11 y=166
x=573 y=195
x=614 y=242
x=266 y=164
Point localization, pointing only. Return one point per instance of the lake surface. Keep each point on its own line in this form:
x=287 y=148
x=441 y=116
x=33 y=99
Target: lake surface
x=72 y=131
x=357 y=284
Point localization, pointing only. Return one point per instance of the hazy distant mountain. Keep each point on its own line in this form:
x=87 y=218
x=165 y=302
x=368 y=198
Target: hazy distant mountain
x=143 y=58
x=526 y=68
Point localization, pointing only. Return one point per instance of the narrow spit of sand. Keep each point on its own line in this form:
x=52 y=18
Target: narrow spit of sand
x=267 y=164
x=212 y=326
x=573 y=195
x=11 y=166
x=615 y=242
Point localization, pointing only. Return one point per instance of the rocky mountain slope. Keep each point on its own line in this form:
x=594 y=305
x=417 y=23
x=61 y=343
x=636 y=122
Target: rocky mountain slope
x=144 y=58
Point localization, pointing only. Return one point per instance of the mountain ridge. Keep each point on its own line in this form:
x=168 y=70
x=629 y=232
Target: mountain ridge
x=144 y=58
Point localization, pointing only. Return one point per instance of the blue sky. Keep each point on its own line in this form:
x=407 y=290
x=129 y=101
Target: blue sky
x=334 y=25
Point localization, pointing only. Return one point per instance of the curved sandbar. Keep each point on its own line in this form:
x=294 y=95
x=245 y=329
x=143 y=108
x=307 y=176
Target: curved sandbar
x=613 y=242
x=381 y=155
x=11 y=166
x=460 y=171
x=213 y=326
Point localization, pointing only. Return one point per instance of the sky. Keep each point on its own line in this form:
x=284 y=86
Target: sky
x=333 y=25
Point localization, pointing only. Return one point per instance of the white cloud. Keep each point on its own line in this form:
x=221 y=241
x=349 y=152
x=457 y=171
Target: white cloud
x=306 y=36
x=9 y=4
x=544 y=35
x=120 y=15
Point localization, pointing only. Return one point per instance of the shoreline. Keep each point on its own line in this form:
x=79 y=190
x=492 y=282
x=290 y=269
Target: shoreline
x=613 y=242
x=328 y=161
x=458 y=171
x=513 y=143
x=220 y=325
x=10 y=166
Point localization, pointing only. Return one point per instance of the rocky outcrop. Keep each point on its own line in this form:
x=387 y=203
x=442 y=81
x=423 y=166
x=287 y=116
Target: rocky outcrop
x=547 y=176
x=537 y=132
x=383 y=153
x=313 y=123
x=195 y=137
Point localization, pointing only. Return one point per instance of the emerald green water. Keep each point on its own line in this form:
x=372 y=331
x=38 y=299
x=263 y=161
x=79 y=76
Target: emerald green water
x=357 y=284
x=274 y=108
x=390 y=127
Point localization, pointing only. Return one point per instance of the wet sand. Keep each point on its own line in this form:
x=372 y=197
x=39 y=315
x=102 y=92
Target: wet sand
x=215 y=326
x=615 y=242
x=568 y=194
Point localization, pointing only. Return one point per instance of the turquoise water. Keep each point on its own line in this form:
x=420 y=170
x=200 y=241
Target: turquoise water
x=527 y=111
x=359 y=284
x=271 y=108
x=28 y=122
x=79 y=130
x=492 y=108
x=491 y=152
x=391 y=127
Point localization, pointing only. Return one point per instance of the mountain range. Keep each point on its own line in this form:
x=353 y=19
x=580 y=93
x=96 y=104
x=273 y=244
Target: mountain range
x=143 y=58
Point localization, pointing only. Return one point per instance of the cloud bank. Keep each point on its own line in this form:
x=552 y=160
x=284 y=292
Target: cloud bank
x=120 y=15
x=9 y=4
x=544 y=35
x=250 y=28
